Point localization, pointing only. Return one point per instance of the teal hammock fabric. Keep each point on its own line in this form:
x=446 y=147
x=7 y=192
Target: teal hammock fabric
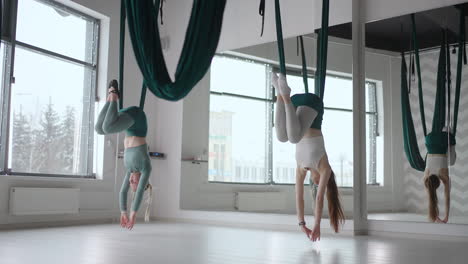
x=461 y=56
x=279 y=38
x=322 y=49
x=121 y=52
x=437 y=140
x=304 y=65
x=438 y=121
x=418 y=69
x=322 y=44
x=410 y=142
x=201 y=40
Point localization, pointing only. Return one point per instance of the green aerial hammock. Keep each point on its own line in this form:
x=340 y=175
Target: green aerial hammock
x=315 y=100
x=201 y=40
x=437 y=140
x=322 y=49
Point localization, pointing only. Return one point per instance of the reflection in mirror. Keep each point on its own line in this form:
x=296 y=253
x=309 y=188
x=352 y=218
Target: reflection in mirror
x=418 y=64
x=252 y=145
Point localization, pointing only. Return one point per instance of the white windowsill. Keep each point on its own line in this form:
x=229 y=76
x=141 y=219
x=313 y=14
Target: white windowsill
x=46 y=178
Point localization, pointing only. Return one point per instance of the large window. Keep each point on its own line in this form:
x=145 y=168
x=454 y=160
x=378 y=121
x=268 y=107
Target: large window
x=49 y=62
x=241 y=121
x=240 y=128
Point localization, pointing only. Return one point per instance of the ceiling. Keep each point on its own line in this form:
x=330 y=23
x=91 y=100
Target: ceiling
x=394 y=34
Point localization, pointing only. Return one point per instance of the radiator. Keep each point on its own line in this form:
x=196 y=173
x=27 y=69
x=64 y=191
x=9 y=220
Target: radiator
x=44 y=201
x=260 y=201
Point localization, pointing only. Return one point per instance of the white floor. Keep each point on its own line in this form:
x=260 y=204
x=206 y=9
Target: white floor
x=163 y=243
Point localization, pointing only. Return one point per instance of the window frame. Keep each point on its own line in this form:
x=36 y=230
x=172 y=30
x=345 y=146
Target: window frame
x=274 y=68
x=9 y=41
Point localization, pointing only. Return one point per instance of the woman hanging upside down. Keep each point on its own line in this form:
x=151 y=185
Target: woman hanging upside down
x=437 y=171
x=298 y=120
x=136 y=158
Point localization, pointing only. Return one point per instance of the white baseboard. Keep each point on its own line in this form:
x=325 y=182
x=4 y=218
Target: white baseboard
x=55 y=224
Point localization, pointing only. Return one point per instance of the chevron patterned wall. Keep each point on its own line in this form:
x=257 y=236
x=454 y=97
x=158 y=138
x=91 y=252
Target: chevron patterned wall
x=415 y=194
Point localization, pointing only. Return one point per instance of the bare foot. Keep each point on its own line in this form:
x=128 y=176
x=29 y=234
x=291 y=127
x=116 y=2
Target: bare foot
x=284 y=89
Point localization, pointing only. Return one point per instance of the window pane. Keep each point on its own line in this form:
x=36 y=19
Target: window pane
x=238 y=77
x=371 y=100
x=54 y=29
x=338 y=93
x=337 y=131
x=297 y=84
x=339 y=148
x=2 y=78
x=284 y=162
x=237 y=140
x=49 y=115
x=339 y=90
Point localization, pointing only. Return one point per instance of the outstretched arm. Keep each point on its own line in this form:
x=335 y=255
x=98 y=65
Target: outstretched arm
x=325 y=173
x=144 y=178
x=123 y=200
x=300 y=176
x=123 y=192
x=447 y=185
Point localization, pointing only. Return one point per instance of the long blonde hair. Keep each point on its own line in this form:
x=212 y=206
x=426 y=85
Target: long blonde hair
x=335 y=210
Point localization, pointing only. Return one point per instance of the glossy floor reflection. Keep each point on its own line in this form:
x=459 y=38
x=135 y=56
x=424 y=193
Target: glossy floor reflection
x=187 y=243
x=412 y=217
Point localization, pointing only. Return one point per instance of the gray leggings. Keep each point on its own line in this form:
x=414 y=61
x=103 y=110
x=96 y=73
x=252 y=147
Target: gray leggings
x=292 y=124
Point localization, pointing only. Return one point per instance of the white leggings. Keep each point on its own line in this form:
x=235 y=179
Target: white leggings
x=292 y=124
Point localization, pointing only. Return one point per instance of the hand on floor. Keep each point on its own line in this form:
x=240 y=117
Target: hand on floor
x=131 y=221
x=123 y=219
x=442 y=221
x=315 y=233
x=307 y=231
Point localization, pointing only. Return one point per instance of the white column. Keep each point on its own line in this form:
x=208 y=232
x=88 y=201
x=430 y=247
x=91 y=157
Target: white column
x=359 y=119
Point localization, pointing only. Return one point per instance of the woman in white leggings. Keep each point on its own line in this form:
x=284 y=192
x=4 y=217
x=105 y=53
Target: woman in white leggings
x=298 y=120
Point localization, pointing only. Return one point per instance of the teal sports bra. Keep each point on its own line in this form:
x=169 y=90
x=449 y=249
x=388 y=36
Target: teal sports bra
x=313 y=101
x=140 y=125
x=436 y=142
